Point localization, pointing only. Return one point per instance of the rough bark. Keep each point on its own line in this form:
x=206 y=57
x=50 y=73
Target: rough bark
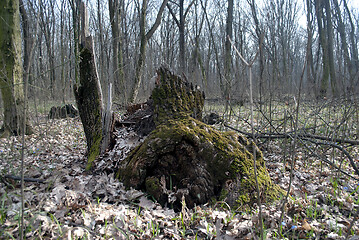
x=184 y=157
x=88 y=95
x=11 y=76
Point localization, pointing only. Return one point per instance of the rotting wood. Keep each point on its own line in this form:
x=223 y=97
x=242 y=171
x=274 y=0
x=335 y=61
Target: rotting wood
x=184 y=157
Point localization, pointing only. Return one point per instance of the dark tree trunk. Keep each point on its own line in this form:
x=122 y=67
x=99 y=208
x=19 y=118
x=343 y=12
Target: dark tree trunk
x=228 y=55
x=325 y=29
x=182 y=43
x=88 y=95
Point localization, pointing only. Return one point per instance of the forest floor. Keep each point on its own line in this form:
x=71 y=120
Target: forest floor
x=74 y=204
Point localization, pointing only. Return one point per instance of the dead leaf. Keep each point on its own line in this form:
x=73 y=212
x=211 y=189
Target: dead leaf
x=305 y=225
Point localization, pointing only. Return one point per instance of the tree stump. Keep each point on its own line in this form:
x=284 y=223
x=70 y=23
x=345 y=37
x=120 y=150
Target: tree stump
x=68 y=110
x=184 y=157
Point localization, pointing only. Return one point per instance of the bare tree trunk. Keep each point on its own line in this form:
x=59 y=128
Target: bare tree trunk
x=88 y=95
x=260 y=37
x=101 y=55
x=330 y=37
x=62 y=51
x=11 y=79
x=182 y=42
x=324 y=46
x=325 y=29
x=144 y=38
x=48 y=28
x=310 y=65
x=222 y=85
x=228 y=55
x=119 y=75
x=142 y=54
x=353 y=45
x=181 y=24
x=75 y=5
x=345 y=48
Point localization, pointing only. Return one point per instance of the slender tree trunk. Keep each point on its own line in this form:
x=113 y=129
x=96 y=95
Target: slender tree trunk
x=75 y=5
x=182 y=42
x=101 y=44
x=310 y=65
x=260 y=37
x=62 y=52
x=181 y=29
x=324 y=46
x=330 y=37
x=119 y=76
x=48 y=27
x=345 y=48
x=228 y=55
x=144 y=38
x=142 y=54
x=353 y=45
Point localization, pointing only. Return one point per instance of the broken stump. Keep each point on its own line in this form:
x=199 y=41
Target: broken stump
x=69 y=110
x=184 y=157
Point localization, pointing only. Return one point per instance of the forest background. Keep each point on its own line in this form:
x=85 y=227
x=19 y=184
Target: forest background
x=191 y=39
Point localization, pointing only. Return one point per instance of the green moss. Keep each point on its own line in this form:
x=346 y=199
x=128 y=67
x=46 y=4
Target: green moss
x=243 y=199
x=153 y=187
x=94 y=151
x=174 y=98
x=227 y=159
x=221 y=164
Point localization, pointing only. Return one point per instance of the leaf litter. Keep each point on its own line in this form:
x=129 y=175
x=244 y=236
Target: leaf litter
x=75 y=204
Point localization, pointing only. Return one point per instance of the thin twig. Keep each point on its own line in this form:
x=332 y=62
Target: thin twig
x=249 y=65
x=285 y=200
x=307 y=137
x=270 y=135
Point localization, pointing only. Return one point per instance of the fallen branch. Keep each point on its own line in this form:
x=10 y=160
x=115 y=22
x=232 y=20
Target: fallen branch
x=346 y=153
x=18 y=178
x=331 y=142
x=286 y=135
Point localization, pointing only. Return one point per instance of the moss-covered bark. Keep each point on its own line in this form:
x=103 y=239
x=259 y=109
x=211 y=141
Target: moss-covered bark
x=89 y=101
x=186 y=157
x=174 y=97
x=11 y=78
x=193 y=157
x=97 y=121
